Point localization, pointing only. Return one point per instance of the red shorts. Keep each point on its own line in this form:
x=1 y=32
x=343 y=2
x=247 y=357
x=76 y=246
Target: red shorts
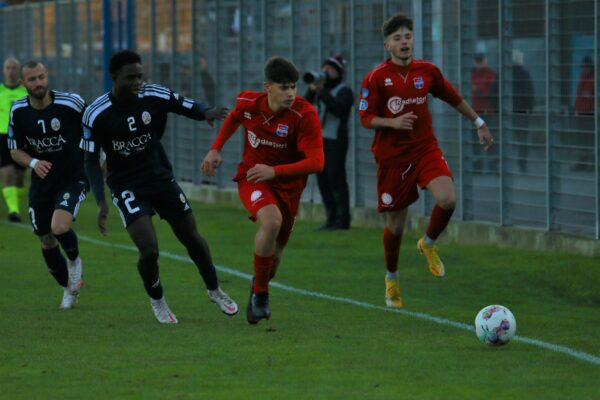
x=255 y=196
x=397 y=184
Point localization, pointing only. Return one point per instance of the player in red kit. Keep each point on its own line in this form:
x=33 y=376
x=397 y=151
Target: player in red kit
x=394 y=102
x=283 y=144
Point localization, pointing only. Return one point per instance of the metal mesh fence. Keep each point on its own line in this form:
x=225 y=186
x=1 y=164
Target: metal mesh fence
x=540 y=58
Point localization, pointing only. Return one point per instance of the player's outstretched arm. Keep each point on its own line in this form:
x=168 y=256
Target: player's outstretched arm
x=40 y=167
x=216 y=113
x=483 y=132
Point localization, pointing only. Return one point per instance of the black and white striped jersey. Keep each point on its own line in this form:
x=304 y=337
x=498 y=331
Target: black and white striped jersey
x=130 y=134
x=51 y=134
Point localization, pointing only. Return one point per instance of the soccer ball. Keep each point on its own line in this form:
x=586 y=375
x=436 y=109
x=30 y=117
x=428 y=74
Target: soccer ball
x=495 y=325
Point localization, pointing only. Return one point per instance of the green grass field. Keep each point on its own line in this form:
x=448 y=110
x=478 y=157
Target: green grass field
x=329 y=336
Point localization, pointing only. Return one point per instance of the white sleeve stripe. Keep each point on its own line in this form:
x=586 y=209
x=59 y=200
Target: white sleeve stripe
x=100 y=101
x=187 y=103
x=87 y=145
x=12 y=144
x=70 y=96
x=69 y=103
x=89 y=117
x=17 y=105
x=162 y=95
x=155 y=87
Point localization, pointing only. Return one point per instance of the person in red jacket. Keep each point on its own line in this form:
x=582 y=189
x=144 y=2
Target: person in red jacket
x=584 y=100
x=282 y=145
x=394 y=102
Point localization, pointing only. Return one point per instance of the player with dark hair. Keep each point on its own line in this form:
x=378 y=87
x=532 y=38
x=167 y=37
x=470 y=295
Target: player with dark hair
x=282 y=145
x=394 y=102
x=43 y=133
x=128 y=123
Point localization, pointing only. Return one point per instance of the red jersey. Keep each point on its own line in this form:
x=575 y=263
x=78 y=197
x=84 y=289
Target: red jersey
x=391 y=90
x=273 y=139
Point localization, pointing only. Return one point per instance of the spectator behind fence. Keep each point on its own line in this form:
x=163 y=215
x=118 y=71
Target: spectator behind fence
x=208 y=82
x=523 y=102
x=585 y=107
x=333 y=99
x=484 y=86
x=584 y=100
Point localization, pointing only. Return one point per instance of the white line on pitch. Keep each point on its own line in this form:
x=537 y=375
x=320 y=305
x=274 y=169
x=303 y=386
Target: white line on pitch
x=580 y=355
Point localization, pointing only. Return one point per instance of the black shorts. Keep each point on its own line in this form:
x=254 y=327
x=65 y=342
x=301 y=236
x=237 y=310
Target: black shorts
x=170 y=203
x=41 y=208
x=5 y=158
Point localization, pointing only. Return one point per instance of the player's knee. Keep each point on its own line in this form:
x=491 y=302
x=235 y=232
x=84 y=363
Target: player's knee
x=149 y=254
x=447 y=202
x=48 y=241
x=60 y=228
x=271 y=225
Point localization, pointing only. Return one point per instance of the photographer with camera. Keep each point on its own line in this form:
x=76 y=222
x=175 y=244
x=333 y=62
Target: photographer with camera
x=333 y=100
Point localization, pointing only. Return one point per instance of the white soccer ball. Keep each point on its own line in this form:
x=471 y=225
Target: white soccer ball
x=495 y=325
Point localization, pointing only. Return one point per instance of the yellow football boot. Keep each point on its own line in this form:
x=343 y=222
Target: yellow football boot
x=392 y=293
x=436 y=266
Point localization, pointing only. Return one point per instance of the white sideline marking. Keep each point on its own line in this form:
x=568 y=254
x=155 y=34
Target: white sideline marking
x=580 y=355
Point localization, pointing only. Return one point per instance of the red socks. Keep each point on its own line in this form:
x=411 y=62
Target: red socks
x=438 y=221
x=391 y=247
x=262 y=273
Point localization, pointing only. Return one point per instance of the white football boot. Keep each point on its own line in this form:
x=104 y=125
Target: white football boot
x=163 y=313
x=75 y=275
x=69 y=299
x=223 y=301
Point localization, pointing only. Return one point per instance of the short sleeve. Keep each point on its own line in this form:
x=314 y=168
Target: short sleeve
x=368 y=100
x=15 y=140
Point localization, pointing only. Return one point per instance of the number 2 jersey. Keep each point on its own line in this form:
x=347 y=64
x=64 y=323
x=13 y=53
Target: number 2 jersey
x=51 y=134
x=389 y=91
x=130 y=134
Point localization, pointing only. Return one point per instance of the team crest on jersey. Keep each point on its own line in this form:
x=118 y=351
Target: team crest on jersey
x=146 y=118
x=395 y=104
x=364 y=92
x=66 y=196
x=247 y=115
x=418 y=82
x=255 y=196
x=363 y=105
x=55 y=124
x=386 y=199
x=282 y=130
x=252 y=139
x=388 y=82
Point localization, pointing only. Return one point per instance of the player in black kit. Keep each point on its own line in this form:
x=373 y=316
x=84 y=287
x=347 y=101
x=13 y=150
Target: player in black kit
x=44 y=132
x=128 y=123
